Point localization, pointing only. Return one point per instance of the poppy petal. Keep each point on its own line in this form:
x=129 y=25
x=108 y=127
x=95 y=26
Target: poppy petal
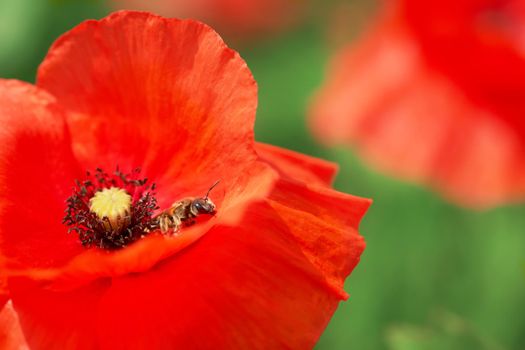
x=223 y=290
x=303 y=195
x=331 y=241
x=244 y=287
x=11 y=335
x=50 y=318
x=410 y=120
x=298 y=166
x=165 y=95
x=4 y=293
x=37 y=170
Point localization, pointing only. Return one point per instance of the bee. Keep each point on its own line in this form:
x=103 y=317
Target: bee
x=184 y=212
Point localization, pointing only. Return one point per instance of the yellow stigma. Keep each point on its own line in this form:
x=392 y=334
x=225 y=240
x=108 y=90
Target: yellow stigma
x=111 y=203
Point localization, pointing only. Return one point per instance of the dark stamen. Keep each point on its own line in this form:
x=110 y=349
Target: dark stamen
x=93 y=231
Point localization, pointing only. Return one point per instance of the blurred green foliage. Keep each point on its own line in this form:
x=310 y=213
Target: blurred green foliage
x=29 y=27
x=444 y=331
x=422 y=254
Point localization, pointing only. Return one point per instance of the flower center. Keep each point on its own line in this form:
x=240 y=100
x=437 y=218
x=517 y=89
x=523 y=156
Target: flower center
x=111 y=210
x=112 y=205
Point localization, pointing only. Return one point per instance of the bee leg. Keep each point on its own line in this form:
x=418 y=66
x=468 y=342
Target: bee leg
x=164 y=223
x=176 y=224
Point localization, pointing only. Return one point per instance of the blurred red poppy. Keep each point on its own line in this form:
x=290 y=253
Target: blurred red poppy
x=137 y=90
x=435 y=92
x=237 y=19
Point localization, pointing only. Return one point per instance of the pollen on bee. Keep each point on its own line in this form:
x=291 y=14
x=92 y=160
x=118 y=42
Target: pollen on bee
x=111 y=204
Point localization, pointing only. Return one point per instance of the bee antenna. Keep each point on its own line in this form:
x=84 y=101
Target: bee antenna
x=211 y=188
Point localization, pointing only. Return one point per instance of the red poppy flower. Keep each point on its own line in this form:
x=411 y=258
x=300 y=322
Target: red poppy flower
x=136 y=90
x=435 y=92
x=236 y=18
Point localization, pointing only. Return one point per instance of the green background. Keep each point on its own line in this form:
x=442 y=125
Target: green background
x=433 y=276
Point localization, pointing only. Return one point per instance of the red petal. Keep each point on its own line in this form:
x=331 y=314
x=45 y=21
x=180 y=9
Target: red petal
x=256 y=286
x=481 y=55
x=245 y=287
x=303 y=197
x=37 y=170
x=11 y=335
x=165 y=95
x=409 y=119
x=50 y=319
x=298 y=166
x=4 y=293
x=331 y=241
